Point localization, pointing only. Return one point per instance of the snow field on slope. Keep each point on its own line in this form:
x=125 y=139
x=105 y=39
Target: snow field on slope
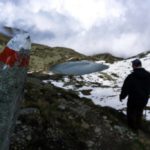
x=107 y=94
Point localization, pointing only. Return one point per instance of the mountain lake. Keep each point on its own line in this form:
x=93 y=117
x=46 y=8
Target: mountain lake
x=78 y=67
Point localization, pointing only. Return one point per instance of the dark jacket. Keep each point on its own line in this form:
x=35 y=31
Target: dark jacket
x=137 y=87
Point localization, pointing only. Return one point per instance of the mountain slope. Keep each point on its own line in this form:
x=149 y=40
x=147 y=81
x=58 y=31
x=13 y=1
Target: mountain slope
x=56 y=119
x=43 y=57
x=107 y=57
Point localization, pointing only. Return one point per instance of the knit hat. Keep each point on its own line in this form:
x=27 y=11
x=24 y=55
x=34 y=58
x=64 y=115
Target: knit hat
x=136 y=63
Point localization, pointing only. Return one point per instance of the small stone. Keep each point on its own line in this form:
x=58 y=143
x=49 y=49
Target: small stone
x=97 y=130
x=29 y=137
x=70 y=117
x=90 y=143
x=18 y=122
x=105 y=117
x=62 y=107
x=85 y=125
x=25 y=129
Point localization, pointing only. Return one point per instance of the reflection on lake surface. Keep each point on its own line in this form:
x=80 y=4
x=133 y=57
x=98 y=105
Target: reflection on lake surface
x=78 y=67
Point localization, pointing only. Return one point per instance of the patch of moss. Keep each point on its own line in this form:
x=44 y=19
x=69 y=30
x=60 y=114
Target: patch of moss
x=106 y=76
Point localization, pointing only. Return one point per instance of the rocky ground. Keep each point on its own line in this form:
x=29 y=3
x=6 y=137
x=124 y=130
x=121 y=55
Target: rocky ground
x=55 y=119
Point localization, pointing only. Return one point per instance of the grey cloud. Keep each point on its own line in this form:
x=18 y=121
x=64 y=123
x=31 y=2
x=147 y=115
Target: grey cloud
x=136 y=22
x=123 y=36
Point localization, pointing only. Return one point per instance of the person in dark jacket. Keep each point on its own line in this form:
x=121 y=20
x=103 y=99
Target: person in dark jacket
x=137 y=87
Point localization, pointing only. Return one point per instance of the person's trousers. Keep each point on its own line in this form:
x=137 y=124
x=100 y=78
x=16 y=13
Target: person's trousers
x=134 y=116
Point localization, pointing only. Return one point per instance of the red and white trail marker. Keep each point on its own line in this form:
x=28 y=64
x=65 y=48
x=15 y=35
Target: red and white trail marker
x=17 y=51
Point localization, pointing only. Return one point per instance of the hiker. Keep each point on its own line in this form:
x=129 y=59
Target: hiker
x=137 y=87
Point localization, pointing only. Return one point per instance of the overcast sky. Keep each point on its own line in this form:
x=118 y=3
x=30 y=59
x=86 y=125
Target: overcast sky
x=120 y=27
